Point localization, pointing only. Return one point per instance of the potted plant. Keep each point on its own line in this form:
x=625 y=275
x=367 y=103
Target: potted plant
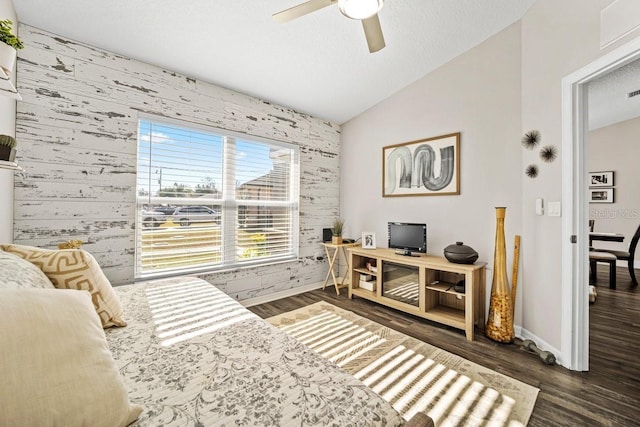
x=336 y=231
x=7 y=148
x=8 y=45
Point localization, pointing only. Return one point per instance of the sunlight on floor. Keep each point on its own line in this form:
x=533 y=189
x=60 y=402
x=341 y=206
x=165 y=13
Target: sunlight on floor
x=333 y=337
x=184 y=311
x=410 y=381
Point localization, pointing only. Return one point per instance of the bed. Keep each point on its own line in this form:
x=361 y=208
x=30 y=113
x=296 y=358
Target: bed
x=189 y=355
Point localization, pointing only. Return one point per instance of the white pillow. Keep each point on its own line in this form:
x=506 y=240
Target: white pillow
x=56 y=366
x=18 y=273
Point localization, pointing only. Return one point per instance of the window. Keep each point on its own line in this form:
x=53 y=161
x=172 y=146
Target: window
x=211 y=199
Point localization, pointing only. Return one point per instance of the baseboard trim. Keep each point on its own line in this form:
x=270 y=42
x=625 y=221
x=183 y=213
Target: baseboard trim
x=249 y=302
x=625 y=264
x=542 y=344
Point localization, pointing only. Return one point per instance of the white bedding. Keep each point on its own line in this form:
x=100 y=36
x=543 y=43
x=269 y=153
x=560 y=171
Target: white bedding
x=192 y=356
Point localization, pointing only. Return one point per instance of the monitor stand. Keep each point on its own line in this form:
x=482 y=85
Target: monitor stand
x=406 y=252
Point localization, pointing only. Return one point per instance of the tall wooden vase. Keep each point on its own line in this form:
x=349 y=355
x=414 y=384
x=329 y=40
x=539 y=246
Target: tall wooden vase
x=500 y=322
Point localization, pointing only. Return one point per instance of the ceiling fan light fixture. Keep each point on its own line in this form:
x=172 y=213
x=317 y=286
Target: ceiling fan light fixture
x=360 y=9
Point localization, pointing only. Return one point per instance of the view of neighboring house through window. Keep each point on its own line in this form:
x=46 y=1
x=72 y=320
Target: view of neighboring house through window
x=210 y=199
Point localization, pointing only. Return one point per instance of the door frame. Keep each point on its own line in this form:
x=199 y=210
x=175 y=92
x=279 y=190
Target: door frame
x=575 y=270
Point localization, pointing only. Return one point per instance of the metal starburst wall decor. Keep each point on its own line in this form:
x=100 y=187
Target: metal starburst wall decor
x=531 y=171
x=548 y=153
x=531 y=139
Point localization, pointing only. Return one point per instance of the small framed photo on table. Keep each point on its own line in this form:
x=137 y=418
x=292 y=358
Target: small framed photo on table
x=368 y=240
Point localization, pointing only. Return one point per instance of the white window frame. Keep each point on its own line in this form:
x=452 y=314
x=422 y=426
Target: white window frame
x=228 y=202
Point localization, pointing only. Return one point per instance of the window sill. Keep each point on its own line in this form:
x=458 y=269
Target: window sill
x=209 y=270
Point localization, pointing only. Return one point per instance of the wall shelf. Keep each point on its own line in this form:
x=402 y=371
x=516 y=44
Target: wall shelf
x=6 y=87
x=10 y=165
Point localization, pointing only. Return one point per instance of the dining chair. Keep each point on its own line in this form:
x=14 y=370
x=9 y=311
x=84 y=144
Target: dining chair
x=626 y=256
x=603 y=257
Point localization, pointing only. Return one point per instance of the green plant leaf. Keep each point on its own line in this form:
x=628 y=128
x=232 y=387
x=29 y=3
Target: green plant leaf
x=7 y=141
x=7 y=37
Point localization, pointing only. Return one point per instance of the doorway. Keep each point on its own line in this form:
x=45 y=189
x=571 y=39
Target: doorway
x=575 y=275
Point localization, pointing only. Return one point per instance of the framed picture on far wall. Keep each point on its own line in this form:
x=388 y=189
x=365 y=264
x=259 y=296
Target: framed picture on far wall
x=368 y=240
x=602 y=195
x=601 y=179
x=427 y=167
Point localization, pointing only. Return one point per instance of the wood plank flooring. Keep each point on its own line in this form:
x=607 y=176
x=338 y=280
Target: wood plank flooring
x=607 y=395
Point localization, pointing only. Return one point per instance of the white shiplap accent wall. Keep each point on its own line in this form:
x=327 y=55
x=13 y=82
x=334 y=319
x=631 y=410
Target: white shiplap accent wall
x=77 y=129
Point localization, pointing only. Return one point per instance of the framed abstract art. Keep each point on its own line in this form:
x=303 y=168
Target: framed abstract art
x=427 y=167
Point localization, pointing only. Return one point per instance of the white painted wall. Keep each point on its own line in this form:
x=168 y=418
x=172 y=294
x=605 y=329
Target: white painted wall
x=477 y=94
x=615 y=148
x=78 y=127
x=492 y=94
x=618 y=19
x=558 y=38
x=7 y=127
x=474 y=94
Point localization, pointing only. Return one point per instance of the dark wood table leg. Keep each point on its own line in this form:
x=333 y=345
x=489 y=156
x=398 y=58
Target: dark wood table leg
x=612 y=274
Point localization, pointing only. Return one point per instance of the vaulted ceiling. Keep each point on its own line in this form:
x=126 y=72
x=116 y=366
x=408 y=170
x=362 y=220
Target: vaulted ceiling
x=318 y=64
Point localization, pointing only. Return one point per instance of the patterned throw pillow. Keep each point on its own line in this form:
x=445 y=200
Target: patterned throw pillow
x=56 y=367
x=76 y=269
x=18 y=273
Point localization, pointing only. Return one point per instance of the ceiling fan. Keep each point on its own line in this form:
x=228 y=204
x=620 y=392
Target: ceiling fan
x=363 y=10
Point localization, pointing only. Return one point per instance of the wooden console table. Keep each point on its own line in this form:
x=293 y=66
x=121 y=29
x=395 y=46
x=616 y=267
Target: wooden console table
x=422 y=286
x=328 y=247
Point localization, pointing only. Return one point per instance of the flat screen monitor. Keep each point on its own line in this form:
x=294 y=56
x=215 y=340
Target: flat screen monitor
x=408 y=237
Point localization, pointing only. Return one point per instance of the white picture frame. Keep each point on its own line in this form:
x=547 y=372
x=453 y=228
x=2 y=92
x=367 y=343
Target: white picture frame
x=601 y=179
x=601 y=195
x=368 y=240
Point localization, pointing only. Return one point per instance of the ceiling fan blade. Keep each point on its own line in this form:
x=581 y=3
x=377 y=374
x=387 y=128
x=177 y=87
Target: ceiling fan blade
x=301 y=10
x=373 y=33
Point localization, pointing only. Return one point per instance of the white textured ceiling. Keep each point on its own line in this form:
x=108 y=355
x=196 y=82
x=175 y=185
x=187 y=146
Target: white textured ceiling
x=318 y=64
x=608 y=101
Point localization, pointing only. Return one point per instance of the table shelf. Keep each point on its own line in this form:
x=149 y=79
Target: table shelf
x=445 y=287
x=365 y=271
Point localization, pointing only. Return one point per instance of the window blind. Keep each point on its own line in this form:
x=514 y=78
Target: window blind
x=210 y=199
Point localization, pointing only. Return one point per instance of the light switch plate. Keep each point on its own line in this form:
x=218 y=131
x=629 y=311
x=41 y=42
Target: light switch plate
x=539 y=206
x=554 y=209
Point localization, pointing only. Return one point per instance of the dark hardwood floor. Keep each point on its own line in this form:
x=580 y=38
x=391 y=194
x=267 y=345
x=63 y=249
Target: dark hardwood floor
x=607 y=395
